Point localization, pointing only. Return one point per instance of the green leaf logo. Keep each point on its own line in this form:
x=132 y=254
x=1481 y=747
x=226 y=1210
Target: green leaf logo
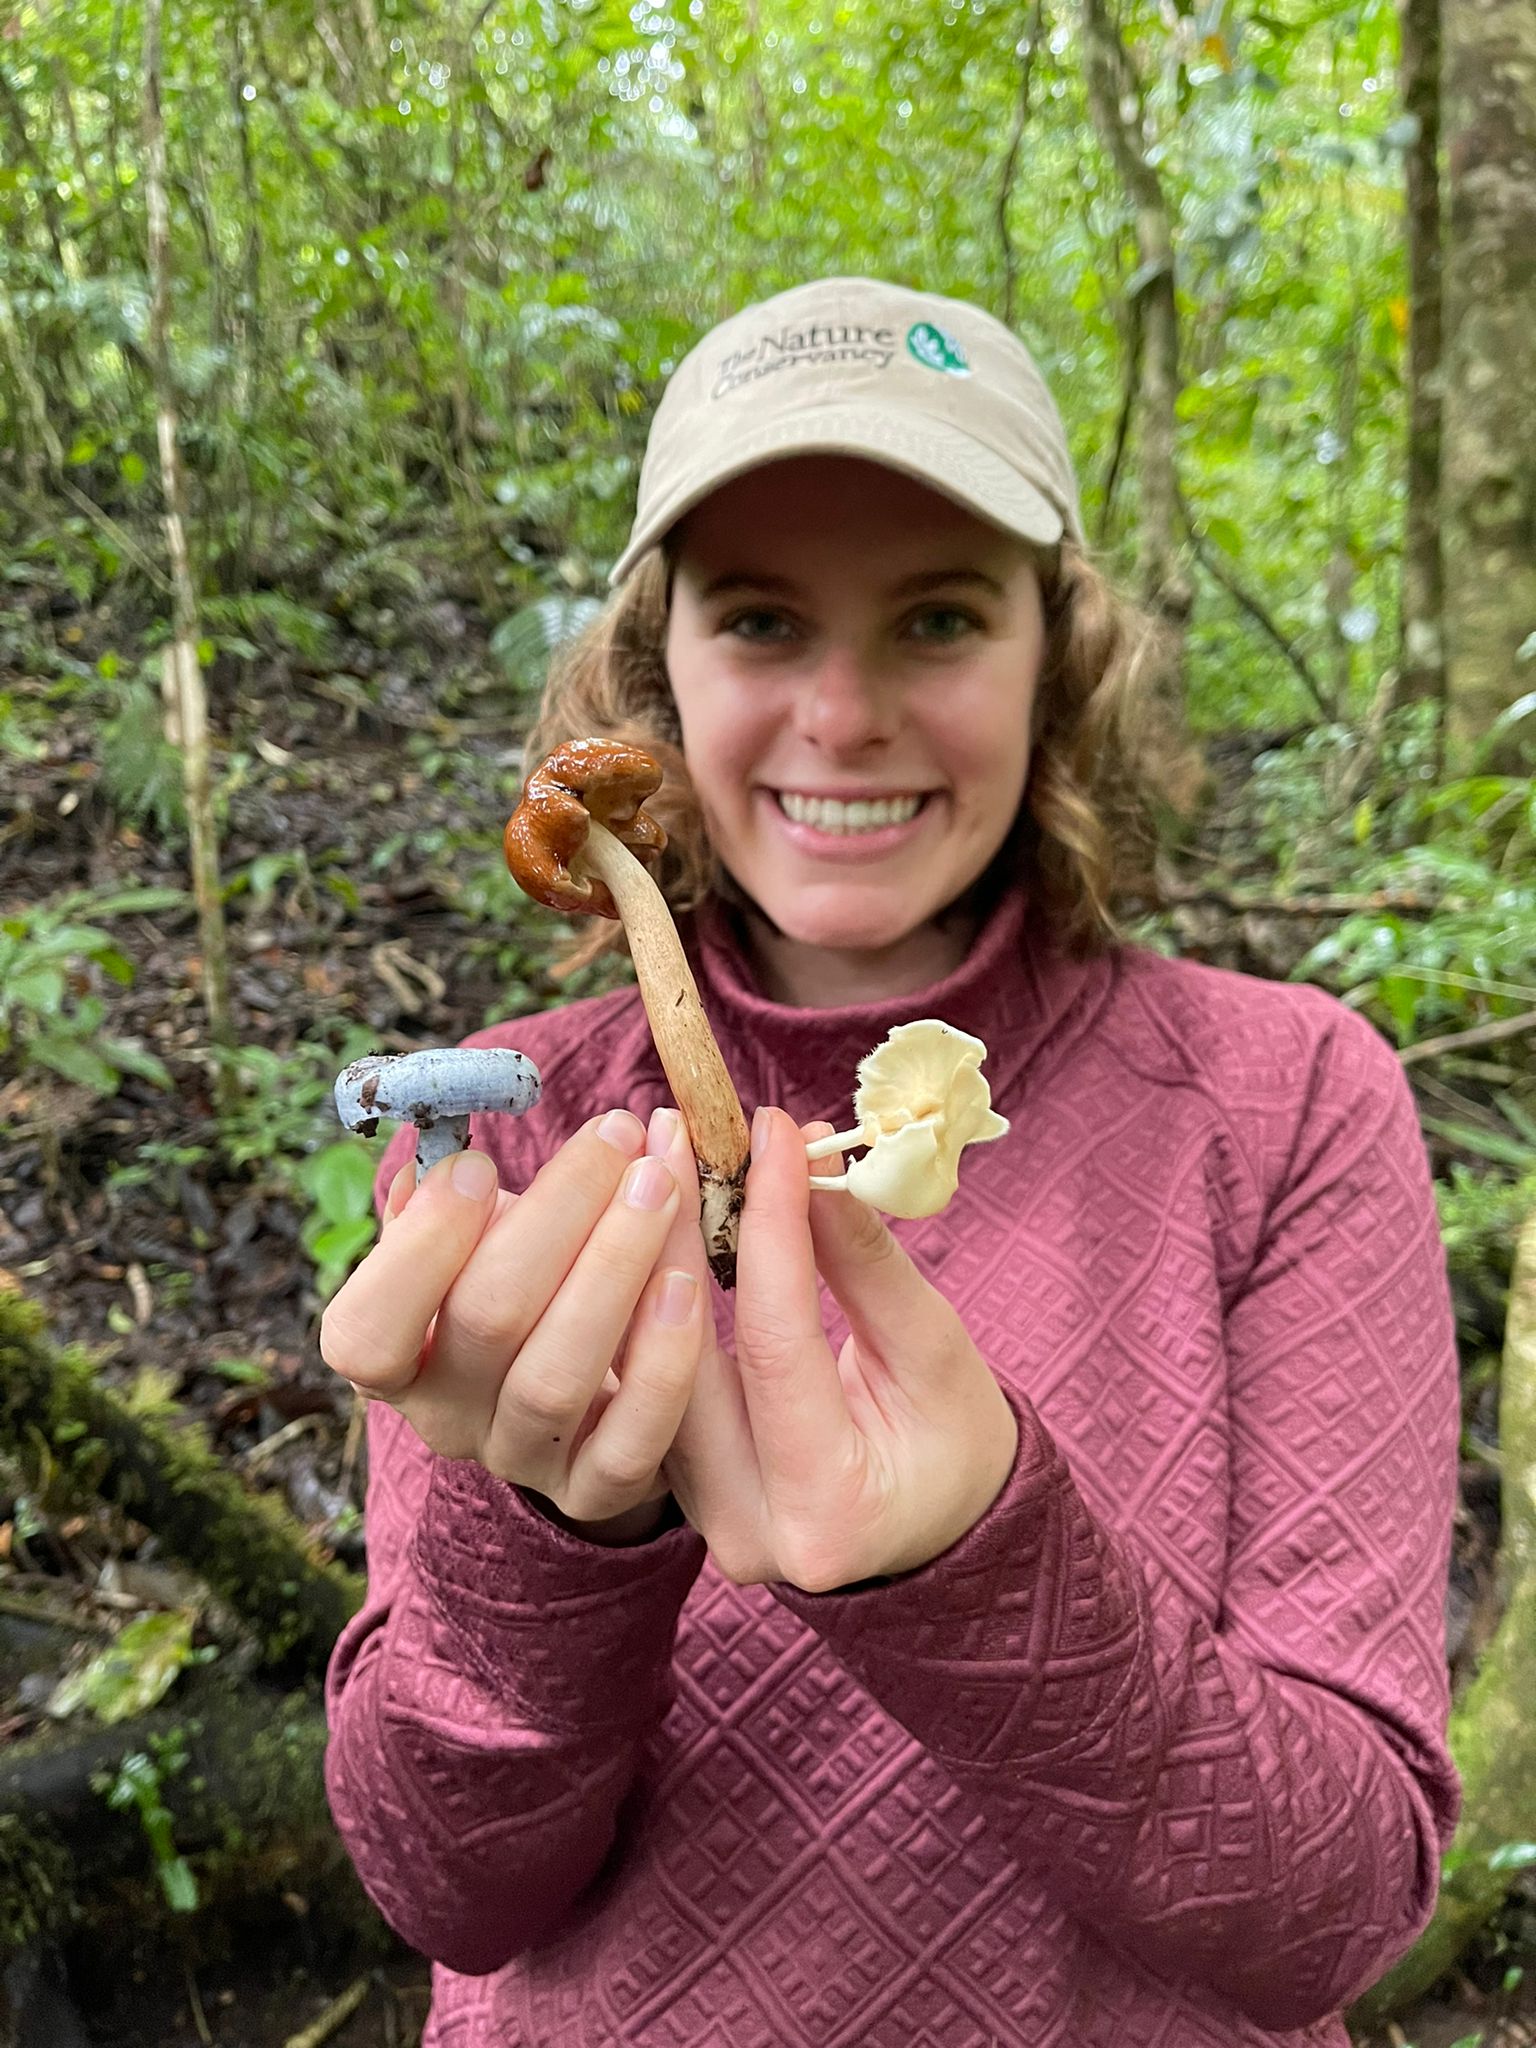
x=935 y=350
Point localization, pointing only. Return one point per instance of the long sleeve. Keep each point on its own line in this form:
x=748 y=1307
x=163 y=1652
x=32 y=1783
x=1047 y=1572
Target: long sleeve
x=488 y=1703
x=1252 y=1799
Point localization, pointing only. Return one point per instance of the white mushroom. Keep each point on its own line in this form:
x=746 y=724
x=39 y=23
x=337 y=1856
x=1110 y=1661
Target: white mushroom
x=921 y=1099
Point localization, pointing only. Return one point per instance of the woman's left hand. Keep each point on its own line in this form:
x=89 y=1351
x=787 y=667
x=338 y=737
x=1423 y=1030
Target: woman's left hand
x=822 y=1470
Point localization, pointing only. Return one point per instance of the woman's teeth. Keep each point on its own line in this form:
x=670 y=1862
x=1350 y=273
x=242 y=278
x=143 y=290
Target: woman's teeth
x=830 y=814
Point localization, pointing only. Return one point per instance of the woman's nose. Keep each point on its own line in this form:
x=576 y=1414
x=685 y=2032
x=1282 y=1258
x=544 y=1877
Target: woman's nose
x=845 y=703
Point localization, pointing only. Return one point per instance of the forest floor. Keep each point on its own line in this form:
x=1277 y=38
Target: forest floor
x=194 y=1272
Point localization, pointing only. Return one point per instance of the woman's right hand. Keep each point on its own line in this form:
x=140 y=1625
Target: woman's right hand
x=554 y=1335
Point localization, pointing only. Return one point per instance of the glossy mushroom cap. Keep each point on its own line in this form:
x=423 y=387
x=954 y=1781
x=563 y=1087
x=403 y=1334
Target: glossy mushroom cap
x=582 y=780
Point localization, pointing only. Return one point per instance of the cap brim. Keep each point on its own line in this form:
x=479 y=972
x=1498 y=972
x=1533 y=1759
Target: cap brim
x=932 y=451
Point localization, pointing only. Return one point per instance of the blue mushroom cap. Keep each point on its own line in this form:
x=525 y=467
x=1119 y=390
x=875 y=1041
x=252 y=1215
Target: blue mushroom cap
x=437 y=1085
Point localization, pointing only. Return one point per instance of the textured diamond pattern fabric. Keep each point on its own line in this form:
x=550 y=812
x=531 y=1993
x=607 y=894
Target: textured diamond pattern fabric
x=1154 y=1755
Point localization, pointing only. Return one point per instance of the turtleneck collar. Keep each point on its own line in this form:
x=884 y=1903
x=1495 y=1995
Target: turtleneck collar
x=1012 y=990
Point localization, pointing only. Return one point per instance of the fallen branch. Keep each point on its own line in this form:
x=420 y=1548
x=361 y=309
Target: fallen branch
x=1479 y=1034
x=1493 y=1733
x=1308 y=906
x=88 y=1444
x=334 y=2018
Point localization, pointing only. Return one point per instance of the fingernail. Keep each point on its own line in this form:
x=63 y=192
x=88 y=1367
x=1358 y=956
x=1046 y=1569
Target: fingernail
x=760 y=1128
x=625 y=1133
x=647 y=1184
x=660 y=1132
x=674 y=1298
x=474 y=1175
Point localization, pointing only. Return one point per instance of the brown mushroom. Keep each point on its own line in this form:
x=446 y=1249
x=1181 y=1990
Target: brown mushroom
x=577 y=841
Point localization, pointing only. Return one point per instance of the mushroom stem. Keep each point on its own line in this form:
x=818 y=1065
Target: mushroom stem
x=840 y=1141
x=834 y=1181
x=690 y=1058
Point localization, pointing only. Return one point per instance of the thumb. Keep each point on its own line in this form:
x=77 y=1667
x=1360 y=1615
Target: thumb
x=891 y=1308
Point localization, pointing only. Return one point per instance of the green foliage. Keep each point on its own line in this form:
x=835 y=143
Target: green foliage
x=524 y=641
x=1474 y=959
x=140 y=769
x=1481 y=1214
x=340 y=1225
x=51 y=963
x=427 y=288
x=284 y=1125
x=138 y=1786
x=135 y=1671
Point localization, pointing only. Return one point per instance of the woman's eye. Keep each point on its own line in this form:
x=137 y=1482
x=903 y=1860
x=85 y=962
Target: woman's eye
x=943 y=622
x=760 y=626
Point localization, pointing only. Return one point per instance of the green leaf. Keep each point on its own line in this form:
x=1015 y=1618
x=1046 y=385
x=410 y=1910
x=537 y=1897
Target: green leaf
x=1226 y=533
x=243 y=1372
x=76 y=1062
x=35 y=988
x=1513 y=1856
x=341 y=1243
x=1483 y=1145
x=339 y=1179
x=1400 y=993
x=524 y=642
x=135 y=1670
x=131 y=1057
x=119 y=901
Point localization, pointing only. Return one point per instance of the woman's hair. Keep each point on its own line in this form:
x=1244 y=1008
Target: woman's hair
x=1104 y=754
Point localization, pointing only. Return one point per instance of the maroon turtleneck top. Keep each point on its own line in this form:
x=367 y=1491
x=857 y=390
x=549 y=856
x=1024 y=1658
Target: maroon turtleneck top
x=1153 y=1755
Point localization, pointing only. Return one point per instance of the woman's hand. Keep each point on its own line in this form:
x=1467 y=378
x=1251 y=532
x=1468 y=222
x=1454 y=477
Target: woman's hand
x=820 y=1470
x=553 y=1336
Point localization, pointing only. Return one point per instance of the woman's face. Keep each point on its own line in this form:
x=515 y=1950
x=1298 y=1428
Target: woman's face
x=854 y=660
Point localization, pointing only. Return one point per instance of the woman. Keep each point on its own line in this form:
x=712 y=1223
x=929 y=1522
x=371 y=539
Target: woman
x=1025 y=1632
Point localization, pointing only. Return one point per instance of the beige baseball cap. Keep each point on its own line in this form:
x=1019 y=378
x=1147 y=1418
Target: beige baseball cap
x=929 y=386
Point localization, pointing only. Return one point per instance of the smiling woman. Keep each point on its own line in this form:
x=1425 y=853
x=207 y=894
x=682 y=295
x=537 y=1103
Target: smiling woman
x=1099 y=752
x=1021 y=1623
x=841 y=637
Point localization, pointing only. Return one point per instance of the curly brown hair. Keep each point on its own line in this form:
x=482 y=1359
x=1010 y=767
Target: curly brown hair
x=1104 y=755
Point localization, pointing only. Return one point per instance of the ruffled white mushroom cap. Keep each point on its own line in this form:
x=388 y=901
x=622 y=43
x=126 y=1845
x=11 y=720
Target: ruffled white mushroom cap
x=921 y=1099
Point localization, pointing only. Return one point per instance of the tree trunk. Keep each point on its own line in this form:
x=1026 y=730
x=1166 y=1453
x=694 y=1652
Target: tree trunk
x=1422 y=657
x=1493 y=1732
x=186 y=700
x=1490 y=423
x=1114 y=97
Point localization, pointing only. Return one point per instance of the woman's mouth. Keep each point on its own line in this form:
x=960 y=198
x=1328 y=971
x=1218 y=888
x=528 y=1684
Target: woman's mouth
x=861 y=825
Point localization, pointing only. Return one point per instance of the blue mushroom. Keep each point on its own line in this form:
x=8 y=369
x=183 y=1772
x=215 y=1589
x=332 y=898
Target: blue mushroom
x=438 y=1090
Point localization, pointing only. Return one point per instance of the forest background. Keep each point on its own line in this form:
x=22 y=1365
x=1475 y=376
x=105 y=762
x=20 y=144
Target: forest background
x=329 y=335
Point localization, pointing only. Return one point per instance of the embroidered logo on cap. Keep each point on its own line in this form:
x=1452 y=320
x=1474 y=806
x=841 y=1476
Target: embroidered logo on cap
x=936 y=350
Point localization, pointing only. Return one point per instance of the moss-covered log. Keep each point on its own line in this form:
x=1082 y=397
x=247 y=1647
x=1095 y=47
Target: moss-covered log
x=60 y=1421
x=1493 y=1728
x=240 y=1776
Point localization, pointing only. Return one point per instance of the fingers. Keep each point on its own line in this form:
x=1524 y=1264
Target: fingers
x=789 y=1376
x=526 y=1256
x=422 y=1267
x=373 y=1329
x=401 y=1188
x=892 y=1310
x=623 y=1453
x=563 y=1362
